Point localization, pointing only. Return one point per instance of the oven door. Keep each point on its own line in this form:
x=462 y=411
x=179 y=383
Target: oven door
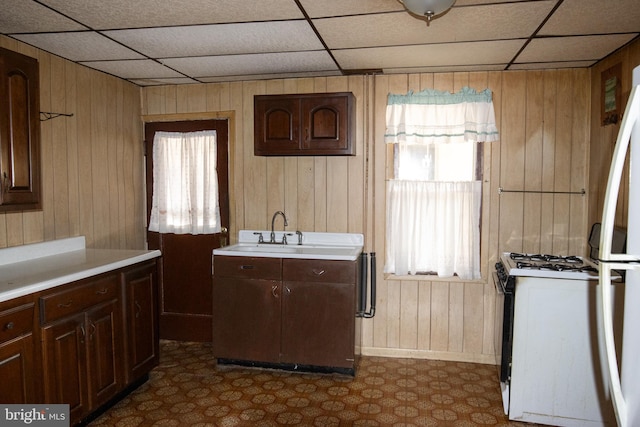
x=503 y=340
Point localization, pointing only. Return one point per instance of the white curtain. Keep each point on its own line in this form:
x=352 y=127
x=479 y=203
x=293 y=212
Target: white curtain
x=433 y=227
x=185 y=183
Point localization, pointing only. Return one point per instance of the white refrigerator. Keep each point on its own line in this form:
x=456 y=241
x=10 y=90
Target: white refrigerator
x=623 y=368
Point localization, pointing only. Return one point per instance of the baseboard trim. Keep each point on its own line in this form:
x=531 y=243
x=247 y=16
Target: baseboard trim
x=486 y=359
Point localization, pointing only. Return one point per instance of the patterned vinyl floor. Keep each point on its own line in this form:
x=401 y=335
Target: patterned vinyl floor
x=188 y=389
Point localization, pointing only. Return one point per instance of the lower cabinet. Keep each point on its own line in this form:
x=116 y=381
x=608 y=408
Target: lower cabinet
x=18 y=358
x=82 y=345
x=285 y=311
x=99 y=335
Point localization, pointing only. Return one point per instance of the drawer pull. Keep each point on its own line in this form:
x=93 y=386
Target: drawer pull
x=65 y=305
x=9 y=326
x=246 y=267
x=102 y=291
x=274 y=288
x=318 y=272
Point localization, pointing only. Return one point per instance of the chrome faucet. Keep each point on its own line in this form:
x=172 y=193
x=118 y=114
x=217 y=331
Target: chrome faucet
x=273 y=220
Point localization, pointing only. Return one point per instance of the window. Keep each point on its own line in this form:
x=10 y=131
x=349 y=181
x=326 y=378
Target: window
x=185 y=183
x=434 y=198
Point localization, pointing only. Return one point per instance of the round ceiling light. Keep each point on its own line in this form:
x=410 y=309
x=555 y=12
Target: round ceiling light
x=428 y=8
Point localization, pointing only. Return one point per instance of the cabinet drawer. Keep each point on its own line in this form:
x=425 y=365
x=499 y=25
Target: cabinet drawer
x=247 y=267
x=16 y=321
x=317 y=270
x=78 y=298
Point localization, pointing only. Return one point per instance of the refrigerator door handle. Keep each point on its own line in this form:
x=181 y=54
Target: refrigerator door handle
x=609 y=261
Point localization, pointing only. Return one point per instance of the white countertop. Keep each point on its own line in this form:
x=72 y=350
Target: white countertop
x=32 y=268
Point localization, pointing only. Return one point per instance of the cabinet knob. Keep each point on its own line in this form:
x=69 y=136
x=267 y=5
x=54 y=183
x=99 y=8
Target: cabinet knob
x=274 y=288
x=9 y=326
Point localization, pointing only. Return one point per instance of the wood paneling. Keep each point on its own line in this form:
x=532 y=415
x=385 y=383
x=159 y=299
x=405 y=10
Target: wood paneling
x=603 y=138
x=92 y=162
x=93 y=180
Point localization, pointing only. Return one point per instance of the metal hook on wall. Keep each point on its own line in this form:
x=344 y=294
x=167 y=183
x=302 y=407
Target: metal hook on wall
x=48 y=115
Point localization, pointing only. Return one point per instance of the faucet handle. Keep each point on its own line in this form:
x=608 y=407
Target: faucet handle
x=284 y=237
x=260 y=237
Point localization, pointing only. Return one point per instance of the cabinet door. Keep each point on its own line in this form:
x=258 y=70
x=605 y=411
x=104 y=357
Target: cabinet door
x=17 y=371
x=19 y=132
x=65 y=368
x=318 y=324
x=104 y=356
x=276 y=125
x=246 y=319
x=325 y=124
x=142 y=343
x=20 y=380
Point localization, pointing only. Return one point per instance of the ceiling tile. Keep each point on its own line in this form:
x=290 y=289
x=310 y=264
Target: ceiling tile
x=578 y=48
x=112 y=14
x=79 y=46
x=264 y=63
x=446 y=54
x=31 y=17
x=583 y=17
x=325 y=8
x=503 y=21
x=221 y=39
x=134 y=69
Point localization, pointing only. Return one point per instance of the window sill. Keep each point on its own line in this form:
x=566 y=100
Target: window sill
x=431 y=278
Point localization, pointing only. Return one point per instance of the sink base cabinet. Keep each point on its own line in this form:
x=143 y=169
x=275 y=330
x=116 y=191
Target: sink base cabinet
x=302 y=316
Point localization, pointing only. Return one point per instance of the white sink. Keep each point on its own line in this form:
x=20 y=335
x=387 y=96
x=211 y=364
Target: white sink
x=330 y=246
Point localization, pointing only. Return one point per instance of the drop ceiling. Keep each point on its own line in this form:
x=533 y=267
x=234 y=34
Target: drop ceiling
x=154 y=42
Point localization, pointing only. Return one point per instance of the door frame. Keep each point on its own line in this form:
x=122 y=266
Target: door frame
x=230 y=116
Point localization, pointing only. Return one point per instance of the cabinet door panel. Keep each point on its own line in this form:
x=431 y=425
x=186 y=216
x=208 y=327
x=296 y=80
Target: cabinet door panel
x=277 y=125
x=325 y=124
x=17 y=371
x=142 y=321
x=105 y=348
x=246 y=319
x=65 y=365
x=318 y=325
x=19 y=132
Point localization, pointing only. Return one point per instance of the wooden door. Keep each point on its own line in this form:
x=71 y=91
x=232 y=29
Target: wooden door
x=185 y=266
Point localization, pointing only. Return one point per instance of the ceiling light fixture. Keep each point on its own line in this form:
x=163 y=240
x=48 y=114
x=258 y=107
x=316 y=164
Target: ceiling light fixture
x=427 y=8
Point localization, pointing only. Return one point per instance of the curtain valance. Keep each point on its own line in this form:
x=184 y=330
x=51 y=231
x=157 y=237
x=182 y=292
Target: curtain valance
x=433 y=116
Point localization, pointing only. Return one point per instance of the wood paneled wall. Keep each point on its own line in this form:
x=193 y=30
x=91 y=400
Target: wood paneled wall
x=543 y=117
x=603 y=138
x=93 y=181
x=92 y=164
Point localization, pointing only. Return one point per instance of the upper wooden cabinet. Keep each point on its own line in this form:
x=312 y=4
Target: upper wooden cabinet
x=19 y=132
x=317 y=124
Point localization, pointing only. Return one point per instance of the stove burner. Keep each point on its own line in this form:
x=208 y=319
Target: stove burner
x=545 y=258
x=555 y=267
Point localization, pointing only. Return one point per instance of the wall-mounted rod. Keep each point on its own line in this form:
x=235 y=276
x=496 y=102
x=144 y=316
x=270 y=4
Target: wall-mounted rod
x=502 y=190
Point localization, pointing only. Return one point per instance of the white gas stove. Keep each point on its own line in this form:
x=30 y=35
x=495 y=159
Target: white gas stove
x=546 y=341
x=550 y=266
